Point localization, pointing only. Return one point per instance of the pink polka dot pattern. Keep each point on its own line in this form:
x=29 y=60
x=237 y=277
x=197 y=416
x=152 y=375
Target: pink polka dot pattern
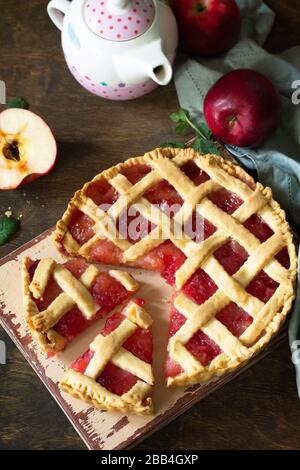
x=120 y=92
x=122 y=27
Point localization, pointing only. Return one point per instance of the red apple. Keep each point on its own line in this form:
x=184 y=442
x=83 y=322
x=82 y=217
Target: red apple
x=27 y=148
x=207 y=27
x=243 y=108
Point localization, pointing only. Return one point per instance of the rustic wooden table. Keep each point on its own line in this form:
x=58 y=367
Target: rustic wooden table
x=258 y=410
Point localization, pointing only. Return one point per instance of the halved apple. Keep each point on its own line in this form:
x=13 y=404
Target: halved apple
x=27 y=148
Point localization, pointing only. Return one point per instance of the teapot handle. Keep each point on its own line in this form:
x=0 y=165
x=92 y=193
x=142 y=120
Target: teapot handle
x=57 y=10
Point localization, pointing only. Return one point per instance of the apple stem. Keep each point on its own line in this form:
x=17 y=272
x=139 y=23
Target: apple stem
x=200 y=8
x=232 y=121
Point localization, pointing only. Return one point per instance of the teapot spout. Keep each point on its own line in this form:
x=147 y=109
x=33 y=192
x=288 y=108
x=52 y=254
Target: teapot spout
x=155 y=64
x=162 y=72
x=148 y=60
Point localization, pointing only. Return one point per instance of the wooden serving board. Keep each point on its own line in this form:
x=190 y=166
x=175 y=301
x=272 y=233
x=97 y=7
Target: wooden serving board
x=101 y=429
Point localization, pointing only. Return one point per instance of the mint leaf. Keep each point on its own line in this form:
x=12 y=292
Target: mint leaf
x=184 y=121
x=8 y=227
x=204 y=129
x=181 y=128
x=175 y=117
x=203 y=134
x=174 y=145
x=182 y=116
x=17 y=103
x=205 y=146
x=184 y=113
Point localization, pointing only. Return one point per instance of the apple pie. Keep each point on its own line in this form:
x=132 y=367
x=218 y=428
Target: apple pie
x=233 y=276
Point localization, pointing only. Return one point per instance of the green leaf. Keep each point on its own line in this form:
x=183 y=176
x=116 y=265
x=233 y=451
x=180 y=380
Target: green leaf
x=181 y=128
x=175 y=117
x=175 y=145
x=184 y=113
x=204 y=129
x=203 y=142
x=181 y=116
x=17 y=103
x=205 y=146
x=8 y=227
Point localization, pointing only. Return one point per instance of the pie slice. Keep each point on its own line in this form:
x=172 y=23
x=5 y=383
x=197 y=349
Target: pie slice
x=115 y=373
x=62 y=300
x=214 y=234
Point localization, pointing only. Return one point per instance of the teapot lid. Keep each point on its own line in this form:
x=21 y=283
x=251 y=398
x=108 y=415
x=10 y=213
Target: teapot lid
x=119 y=20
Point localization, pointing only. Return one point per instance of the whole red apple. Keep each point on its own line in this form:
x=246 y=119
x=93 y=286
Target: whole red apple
x=207 y=27
x=27 y=148
x=243 y=108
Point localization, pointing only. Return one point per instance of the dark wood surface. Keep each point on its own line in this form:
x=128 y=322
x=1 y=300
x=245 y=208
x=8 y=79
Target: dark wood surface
x=258 y=410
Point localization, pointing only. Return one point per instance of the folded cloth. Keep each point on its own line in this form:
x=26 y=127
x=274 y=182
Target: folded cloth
x=277 y=162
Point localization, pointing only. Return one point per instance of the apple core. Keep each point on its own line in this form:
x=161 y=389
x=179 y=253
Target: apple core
x=11 y=151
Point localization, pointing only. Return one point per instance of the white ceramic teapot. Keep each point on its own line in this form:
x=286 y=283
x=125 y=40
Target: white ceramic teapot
x=117 y=49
